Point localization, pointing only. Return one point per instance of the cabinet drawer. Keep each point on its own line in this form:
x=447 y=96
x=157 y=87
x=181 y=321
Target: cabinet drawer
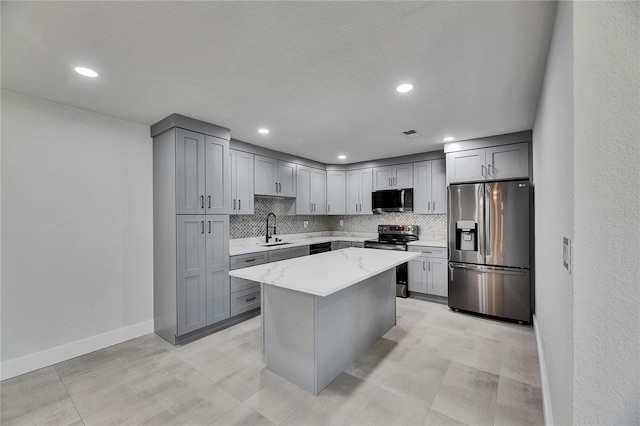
x=288 y=253
x=239 y=284
x=250 y=259
x=245 y=300
x=357 y=244
x=439 y=252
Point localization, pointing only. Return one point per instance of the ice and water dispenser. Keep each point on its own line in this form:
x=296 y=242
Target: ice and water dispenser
x=466 y=235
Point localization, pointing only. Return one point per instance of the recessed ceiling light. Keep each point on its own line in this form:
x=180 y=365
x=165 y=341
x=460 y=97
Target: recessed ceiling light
x=263 y=131
x=448 y=139
x=342 y=157
x=403 y=88
x=87 y=72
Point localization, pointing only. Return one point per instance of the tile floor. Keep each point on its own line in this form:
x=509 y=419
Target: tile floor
x=435 y=367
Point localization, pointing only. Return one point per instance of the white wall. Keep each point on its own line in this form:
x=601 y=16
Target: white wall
x=77 y=250
x=553 y=179
x=587 y=174
x=607 y=213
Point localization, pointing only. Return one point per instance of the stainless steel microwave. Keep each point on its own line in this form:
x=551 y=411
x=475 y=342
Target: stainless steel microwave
x=392 y=200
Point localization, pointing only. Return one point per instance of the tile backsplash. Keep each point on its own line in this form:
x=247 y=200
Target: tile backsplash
x=246 y=226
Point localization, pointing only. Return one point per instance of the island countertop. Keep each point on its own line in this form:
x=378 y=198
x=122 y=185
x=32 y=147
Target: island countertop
x=325 y=273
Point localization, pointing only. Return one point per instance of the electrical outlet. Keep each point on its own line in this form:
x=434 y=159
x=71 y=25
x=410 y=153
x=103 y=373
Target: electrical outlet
x=342 y=223
x=567 y=254
x=305 y=223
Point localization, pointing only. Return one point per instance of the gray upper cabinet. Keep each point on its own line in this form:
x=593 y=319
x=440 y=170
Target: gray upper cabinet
x=359 y=188
x=202 y=173
x=191 y=273
x=336 y=192
x=508 y=161
x=484 y=164
x=274 y=177
x=466 y=166
x=311 y=190
x=218 y=176
x=217 y=268
x=429 y=187
x=393 y=177
x=242 y=181
x=190 y=172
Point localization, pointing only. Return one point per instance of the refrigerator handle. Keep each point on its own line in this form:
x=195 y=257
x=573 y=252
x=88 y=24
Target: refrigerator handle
x=487 y=221
x=484 y=270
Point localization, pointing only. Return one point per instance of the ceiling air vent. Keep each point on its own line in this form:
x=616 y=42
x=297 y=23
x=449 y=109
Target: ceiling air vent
x=411 y=133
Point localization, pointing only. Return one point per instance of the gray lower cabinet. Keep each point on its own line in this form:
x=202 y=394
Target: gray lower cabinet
x=428 y=273
x=202 y=271
x=245 y=294
x=288 y=253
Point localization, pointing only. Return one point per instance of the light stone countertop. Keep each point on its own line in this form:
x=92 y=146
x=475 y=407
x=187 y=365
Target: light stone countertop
x=325 y=273
x=253 y=246
x=429 y=243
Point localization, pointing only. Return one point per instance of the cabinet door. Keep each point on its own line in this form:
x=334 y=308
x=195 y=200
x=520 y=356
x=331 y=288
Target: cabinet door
x=366 y=187
x=417 y=274
x=336 y=192
x=438 y=187
x=217 y=261
x=422 y=187
x=191 y=276
x=353 y=192
x=437 y=280
x=508 y=161
x=190 y=172
x=319 y=191
x=383 y=178
x=266 y=173
x=402 y=176
x=466 y=166
x=303 y=197
x=218 y=176
x=242 y=182
x=286 y=179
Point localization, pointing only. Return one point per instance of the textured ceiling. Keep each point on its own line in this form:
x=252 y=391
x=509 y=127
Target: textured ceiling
x=320 y=75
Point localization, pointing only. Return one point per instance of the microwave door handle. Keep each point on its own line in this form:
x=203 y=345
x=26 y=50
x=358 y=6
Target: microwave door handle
x=402 y=198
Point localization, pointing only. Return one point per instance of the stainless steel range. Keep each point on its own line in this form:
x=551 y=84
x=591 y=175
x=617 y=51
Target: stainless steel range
x=396 y=237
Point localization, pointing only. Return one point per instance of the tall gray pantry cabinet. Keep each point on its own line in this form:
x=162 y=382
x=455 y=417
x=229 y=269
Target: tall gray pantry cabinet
x=191 y=205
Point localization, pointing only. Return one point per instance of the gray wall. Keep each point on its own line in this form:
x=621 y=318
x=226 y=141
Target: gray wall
x=606 y=308
x=77 y=242
x=587 y=176
x=553 y=179
x=253 y=226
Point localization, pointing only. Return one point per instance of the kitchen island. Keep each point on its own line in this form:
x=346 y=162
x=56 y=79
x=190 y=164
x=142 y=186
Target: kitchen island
x=321 y=312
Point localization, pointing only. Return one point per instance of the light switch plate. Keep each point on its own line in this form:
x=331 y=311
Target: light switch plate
x=567 y=253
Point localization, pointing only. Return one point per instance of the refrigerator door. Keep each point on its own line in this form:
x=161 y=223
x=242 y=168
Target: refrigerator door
x=466 y=205
x=507 y=207
x=501 y=292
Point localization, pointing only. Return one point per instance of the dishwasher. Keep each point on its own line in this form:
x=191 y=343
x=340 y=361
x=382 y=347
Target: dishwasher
x=319 y=248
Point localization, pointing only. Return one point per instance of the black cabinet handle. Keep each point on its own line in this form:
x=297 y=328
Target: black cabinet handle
x=239 y=204
x=250 y=299
x=202 y=223
x=202 y=201
x=250 y=260
x=209 y=201
x=209 y=226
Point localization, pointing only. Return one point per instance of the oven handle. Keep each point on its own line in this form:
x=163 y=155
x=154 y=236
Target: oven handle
x=383 y=247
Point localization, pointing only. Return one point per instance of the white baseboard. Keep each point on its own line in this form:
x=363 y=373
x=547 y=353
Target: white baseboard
x=544 y=382
x=31 y=362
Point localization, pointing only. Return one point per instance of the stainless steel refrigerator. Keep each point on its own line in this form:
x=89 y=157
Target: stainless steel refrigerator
x=489 y=248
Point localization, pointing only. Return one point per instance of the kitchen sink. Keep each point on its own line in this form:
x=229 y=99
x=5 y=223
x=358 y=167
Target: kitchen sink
x=278 y=243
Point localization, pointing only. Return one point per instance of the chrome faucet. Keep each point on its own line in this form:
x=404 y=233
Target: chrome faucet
x=275 y=222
